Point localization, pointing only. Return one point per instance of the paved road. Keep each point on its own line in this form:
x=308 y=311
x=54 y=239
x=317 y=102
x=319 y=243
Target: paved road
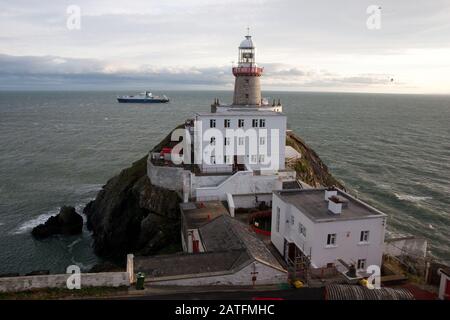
x=288 y=294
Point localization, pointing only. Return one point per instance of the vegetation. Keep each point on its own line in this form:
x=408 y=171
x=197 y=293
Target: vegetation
x=59 y=293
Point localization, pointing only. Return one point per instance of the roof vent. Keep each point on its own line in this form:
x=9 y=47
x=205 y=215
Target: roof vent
x=329 y=193
x=335 y=204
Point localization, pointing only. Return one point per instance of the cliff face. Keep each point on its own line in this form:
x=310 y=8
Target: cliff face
x=310 y=167
x=130 y=214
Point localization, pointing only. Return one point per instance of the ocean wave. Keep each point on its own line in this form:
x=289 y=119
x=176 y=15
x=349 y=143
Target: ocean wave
x=88 y=188
x=30 y=224
x=412 y=198
x=71 y=245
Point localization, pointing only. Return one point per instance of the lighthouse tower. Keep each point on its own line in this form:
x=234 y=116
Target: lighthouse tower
x=247 y=87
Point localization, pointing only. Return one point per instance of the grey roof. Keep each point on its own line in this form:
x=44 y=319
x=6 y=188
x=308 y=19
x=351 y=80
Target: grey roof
x=225 y=233
x=229 y=244
x=242 y=112
x=187 y=264
x=196 y=214
x=311 y=202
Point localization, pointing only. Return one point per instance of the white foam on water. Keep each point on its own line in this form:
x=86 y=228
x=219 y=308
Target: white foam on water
x=30 y=224
x=71 y=245
x=412 y=198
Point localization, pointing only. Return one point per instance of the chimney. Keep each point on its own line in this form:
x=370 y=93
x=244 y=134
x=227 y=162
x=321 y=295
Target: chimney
x=335 y=205
x=329 y=193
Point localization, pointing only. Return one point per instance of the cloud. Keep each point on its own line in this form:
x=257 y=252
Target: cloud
x=53 y=72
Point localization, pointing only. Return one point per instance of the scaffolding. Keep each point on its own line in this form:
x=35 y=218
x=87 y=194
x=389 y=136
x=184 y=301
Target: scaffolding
x=299 y=266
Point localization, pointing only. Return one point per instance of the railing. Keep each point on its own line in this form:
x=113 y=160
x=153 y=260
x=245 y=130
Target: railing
x=247 y=71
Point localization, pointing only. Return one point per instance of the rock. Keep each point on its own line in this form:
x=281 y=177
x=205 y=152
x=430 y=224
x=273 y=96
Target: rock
x=129 y=215
x=38 y=273
x=9 y=275
x=67 y=222
x=310 y=167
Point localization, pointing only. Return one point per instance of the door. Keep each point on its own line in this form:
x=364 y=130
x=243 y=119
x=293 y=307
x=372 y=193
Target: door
x=195 y=246
x=447 y=290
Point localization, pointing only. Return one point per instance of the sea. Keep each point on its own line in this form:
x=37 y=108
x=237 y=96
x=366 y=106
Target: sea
x=59 y=148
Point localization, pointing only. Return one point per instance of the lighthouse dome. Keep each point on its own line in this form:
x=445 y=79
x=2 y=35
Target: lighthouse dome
x=247 y=43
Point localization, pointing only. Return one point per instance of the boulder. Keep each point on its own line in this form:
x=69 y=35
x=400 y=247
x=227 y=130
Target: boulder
x=66 y=222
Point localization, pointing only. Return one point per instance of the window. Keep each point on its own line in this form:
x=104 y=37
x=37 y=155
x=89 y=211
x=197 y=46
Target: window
x=212 y=123
x=331 y=239
x=213 y=159
x=253 y=158
x=301 y=229
x=241 y=141
x=246 y=95
x=262 y=140
x=227 y=141
x=261 y=158
x=246 y=81
x=277 y=226
x=262 y=123
x=255 y=123
x=241 y=123
x=226 y=123
x=213 y=140
x=226 y=159
x=361 y=264
x=364 y=236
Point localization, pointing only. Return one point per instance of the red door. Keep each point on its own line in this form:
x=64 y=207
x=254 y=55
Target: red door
x=195 y=246
x=447 y=290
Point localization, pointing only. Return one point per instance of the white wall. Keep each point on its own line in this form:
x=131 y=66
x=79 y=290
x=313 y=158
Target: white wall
x=277 y=121
x=248 y=200
x=103 y=279
x=348 y=248
x=443 y=285
x=242 y=182
x=266 y=275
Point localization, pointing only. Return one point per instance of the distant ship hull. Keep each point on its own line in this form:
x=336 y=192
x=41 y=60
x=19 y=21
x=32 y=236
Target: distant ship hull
x=142 y=100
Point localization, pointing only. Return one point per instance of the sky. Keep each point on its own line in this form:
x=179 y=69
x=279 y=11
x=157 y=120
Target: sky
x=191 y=44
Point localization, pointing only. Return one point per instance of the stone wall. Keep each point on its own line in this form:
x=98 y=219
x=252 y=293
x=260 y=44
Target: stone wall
x=242 y=182
x=247 y=91
x=171 y=178
x=24 y=283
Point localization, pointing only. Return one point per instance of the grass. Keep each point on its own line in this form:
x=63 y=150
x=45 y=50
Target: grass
x=60 y=293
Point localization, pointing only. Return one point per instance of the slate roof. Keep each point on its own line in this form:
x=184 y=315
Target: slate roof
x=225 y=233
x=311 y=202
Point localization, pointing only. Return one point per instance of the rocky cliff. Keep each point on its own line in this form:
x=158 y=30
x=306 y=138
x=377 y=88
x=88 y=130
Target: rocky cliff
x=310 y=167
x=130 y=214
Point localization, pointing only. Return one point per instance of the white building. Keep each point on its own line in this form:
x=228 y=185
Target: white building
x=330 y=227
x=236 y=149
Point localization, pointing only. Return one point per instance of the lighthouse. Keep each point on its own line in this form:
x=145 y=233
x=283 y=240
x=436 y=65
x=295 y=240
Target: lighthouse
x=247 y=86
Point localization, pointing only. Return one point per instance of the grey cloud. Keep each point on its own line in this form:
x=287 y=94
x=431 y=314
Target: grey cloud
x=55 y=72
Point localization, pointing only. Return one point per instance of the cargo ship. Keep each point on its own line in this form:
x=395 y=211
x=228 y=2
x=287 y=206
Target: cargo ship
x=144 y=97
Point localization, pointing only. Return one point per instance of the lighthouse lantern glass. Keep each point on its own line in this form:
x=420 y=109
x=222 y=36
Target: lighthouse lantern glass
x=247 y=56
